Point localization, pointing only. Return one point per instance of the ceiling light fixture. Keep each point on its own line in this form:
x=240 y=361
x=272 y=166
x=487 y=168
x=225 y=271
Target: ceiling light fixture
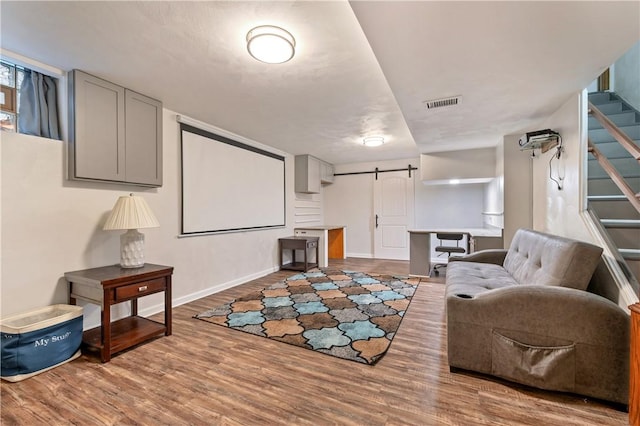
x=271 y=44
x=373 y=141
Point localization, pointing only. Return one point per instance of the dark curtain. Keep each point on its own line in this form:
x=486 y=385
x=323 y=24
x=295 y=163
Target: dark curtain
x=38 y=110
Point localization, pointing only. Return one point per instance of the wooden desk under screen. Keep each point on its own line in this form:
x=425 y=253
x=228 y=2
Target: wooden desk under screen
x=109 y=285
x=332 y=243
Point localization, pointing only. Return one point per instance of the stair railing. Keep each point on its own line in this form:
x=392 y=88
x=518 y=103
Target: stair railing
x=627 y=143
x=615 y=131
x=612 y=248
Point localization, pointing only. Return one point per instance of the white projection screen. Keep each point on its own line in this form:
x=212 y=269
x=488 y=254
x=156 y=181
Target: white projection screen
x=229 y=186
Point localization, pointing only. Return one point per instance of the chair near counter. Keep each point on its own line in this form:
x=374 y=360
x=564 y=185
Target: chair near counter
x=448 y=249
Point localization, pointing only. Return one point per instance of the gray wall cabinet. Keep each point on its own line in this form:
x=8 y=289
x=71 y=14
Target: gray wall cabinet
x=311 y=172
x=115 y=133
x=307 y=174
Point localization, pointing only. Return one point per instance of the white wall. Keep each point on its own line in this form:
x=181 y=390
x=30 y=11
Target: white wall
x=308 y=209
x=466 y=164
x=559 y=211
x=562 y=212
x=449 y=206
x=627 y=76
x=349 y=201
x=518 y=187
x=51 y=225
x=493 y=211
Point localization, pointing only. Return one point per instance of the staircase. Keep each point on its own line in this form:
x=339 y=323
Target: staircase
x=618 y=216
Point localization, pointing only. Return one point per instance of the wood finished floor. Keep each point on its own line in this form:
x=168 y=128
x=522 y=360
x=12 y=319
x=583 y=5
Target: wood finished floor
x=209 y=375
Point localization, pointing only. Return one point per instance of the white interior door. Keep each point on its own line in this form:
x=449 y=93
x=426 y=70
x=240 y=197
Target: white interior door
x=393 y=203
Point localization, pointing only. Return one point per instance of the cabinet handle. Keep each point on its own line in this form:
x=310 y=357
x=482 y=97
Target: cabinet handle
x=142 y=288
x=376 y=221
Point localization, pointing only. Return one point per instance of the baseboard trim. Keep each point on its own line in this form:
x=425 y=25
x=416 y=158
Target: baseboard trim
x=151 y=310
x=361 y=255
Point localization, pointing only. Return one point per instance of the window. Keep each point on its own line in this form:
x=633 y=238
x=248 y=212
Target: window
x=28 y=102
x=11 y=78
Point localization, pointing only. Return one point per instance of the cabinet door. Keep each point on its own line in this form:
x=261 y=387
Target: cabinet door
x=486 y=243
x=326 y=175
x=97 y=129
x=314 y=174
x=307 y=174
x=143 y=130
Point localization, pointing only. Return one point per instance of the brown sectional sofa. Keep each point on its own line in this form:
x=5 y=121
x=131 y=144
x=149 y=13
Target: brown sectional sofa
x=525 y=315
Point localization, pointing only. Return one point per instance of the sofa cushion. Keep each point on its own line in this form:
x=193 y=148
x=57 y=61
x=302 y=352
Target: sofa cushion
x=471 y=278
x=535 y=258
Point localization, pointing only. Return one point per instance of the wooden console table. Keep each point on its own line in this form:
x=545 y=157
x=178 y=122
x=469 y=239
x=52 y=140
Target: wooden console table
x=634 y=367
x=298 y=243
x=109 y=285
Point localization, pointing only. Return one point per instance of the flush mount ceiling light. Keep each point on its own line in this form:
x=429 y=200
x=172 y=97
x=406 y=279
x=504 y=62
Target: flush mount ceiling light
x=270 y=44
x=373 y=141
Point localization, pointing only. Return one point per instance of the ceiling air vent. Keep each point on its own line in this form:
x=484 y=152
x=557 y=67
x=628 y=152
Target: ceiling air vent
x=444 y=102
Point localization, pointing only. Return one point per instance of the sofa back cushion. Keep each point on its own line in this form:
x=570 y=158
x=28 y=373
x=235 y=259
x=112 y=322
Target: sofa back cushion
x=544 y=259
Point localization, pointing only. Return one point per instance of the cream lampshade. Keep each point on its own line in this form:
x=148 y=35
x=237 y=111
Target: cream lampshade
x=131 y=212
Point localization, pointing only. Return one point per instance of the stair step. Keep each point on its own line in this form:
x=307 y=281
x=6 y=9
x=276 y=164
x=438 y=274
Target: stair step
x=620 y=223
x=605 y=186
x=614 y=208
x=613 y=149
x=603 y=135
x=597 y=98
x=630 y=254
x=624 y=233
x=627 y=167
x=624 y=118
x=612 y=107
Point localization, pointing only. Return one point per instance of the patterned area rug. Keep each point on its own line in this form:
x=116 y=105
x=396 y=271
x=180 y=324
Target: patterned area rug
x=347 y=314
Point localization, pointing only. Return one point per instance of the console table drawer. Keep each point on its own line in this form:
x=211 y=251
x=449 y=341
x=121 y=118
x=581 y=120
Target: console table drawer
x=139 y=289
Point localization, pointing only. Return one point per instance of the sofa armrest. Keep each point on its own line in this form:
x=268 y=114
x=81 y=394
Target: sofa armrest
x=495 y=256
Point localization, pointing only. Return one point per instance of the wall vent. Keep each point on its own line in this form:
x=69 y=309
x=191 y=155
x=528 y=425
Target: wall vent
x=444 y=102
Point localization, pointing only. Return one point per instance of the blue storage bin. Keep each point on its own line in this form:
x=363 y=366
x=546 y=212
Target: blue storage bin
x=38 y=340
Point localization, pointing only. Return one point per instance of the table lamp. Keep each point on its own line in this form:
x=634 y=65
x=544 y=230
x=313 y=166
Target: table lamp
x=131 y=212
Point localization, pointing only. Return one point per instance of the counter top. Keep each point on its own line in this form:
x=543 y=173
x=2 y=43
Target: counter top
x=474 y=232
x=320 y=227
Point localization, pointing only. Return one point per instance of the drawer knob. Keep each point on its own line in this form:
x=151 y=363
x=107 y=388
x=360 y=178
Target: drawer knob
x=142 y=288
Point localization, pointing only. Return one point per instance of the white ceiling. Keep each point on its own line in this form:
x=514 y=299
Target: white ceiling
x=360 y=69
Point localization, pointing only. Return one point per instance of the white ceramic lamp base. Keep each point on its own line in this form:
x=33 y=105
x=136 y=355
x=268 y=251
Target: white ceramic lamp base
x=132 y=249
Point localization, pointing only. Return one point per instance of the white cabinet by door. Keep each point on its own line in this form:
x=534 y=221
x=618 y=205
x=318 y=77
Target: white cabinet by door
x=115 y=133
x=307 y=174
x=311 y=173
x=326 y=172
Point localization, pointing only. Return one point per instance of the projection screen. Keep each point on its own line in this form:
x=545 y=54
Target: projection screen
x=229 y=186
